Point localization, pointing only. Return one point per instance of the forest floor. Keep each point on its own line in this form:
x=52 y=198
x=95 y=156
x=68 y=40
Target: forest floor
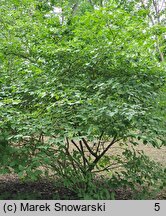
x=11 y=188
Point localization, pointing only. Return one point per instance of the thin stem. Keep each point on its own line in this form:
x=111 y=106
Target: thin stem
x=99 y=143
x=76 y=146
x=72 y=159
x=93 y=164
x=81 y=150
x=88 y=147
x=83 y=154
x=108 y=167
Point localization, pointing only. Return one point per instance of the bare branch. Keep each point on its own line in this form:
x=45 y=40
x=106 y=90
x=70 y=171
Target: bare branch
x=112 y=166
x=85 y=161
x=88 y=147
x=91 y=167
x=76 y=145
x=69 y=155
x=99 y=143
x=73 y=161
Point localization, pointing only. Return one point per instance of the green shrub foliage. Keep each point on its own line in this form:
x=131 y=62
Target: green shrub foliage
x=73 y=84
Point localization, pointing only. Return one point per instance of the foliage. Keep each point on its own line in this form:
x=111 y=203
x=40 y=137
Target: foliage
x=143 y=176
x=73 y=84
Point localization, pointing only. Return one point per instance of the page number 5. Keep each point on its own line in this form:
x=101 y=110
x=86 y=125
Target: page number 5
x=157 y=207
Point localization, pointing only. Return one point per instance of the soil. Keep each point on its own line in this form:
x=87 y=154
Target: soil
x=11 y=188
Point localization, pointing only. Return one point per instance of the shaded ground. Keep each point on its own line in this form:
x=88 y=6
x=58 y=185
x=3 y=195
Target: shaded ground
x=12 y=188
